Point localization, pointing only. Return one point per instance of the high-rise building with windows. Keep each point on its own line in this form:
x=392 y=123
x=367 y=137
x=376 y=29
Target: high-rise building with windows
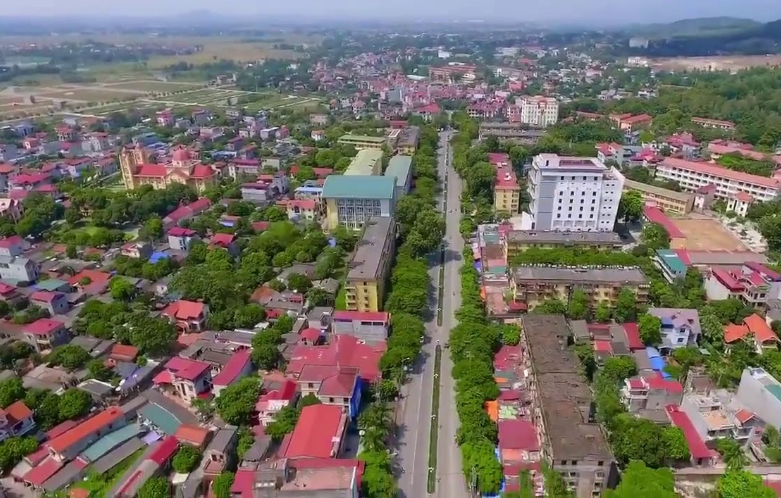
x=537 y=111
x=578 y=194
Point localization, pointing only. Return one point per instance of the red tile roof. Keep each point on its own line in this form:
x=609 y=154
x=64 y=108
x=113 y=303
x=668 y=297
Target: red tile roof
x=123 y=352
x=17 y=412
x=603 y=347
x=44 y=296
x=86 y=429
x=658 y=382
x=151 y=171
x=340 y=384
x=185 y=368
x=759 y=327
x=192 y=434
x=727 y=280
x=314 y=434
x=763 y=270
x=633 y=336
x=223 y=239
x=697 y=447
x=656 y=215
x=310 y=334
x=42 y=472
x=184 y=310
x=518 y=435
x=164 y=451
x=343 y=351
x=96 y=277
x=235 y=366
x=181 y=232
x=719 y=171
x=11 y=241
x=6 y=289
x=734 y=333
x=43 y=326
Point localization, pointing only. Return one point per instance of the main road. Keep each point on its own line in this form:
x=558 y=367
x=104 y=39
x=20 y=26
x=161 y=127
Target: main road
x=414 y=418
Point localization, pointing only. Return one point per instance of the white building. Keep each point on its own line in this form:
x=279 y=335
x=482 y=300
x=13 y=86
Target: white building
x=692 y=175
x=573 y=193
x=760 y=392
x=537 y=111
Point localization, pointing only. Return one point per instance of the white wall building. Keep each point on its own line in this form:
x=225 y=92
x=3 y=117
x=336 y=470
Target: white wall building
x=537 y=111
x=573 y=193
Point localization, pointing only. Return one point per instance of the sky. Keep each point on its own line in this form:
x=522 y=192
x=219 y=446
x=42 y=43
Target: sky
x=611 y=12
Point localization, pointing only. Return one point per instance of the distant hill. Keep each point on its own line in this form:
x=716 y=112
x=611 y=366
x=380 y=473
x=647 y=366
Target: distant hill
x=702 y=26
x=704 y=37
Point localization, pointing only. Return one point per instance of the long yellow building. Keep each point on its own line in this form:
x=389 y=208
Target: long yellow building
x=362 y=141
x=669 y=200
x=365 y=283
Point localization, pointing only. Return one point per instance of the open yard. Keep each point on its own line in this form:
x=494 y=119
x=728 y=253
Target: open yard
x=716 y=63
x=151 y=86
x=85 y=94
x=708 y=235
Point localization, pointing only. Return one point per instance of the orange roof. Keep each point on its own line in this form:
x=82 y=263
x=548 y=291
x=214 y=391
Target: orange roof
x=17 y=412
x=184 y=310
x=492 y=407
x=121 y=351
x=761 y=330
x=192 y=434
x=733 y=333
x=86 y=429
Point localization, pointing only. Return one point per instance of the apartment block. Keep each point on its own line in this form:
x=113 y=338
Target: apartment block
x=351 y=200
x=507 y=192
x=573 y=193
x=539 y=112
x=562 y=409
x=720 y=414
x=532 y=286
x=692 y=175
x=753 y=283
x=365 y=282
x=668 y=200
x=518 y=241
x=367 y=162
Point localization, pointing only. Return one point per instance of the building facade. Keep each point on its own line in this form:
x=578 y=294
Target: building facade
x=518 y=241
x=365 y=283
x=668 y=200
x=137 y=170
x=573 y=193
x=351 y=200
x=361 y=142
x=538 y=112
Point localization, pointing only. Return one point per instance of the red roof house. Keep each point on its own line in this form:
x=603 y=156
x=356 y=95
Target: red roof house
x=345 y=351
x=319 y=433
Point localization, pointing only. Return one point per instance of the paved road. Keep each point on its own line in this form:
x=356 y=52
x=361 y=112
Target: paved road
x=416 y=408
x=451 y=481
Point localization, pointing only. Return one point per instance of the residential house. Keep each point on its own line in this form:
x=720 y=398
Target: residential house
x=719 y=414
x=319 y=433
x=680 y=327
x=15 y=420
x=332 y=385
x=180 y=239
x=10 y=294
x=648 y=394
x=187 y=378
x=673 y=269
x=364 y=325
x=239 y=365
x=189 y=316
x=302 y=209
x=45 y=334
x=69 y=444
x=342 y=351
x=56 y=303
x=11 y=209
x=137 y=250
x=754 y=284
x=13 y=246
x=755 y=331
x=225 y=241
x=193 y=435
x=701 y=455
x=219 y=454
x=760 y=393
x=186 y=212
x=283 y=394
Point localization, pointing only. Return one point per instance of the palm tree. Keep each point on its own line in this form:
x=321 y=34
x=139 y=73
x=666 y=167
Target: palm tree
x=373 y=439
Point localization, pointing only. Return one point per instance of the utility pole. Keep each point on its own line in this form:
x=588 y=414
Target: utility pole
x=473 y=481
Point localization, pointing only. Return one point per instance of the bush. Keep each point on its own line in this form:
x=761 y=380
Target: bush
x=186 y=459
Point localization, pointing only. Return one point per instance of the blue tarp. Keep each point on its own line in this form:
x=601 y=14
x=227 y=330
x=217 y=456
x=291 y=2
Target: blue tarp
x=479 y=266
x=157 y=256
x=652 y=352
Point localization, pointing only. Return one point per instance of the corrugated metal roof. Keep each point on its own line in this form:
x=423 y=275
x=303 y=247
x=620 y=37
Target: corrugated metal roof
x=161 y=418
x=111 y=441
x=359 y=187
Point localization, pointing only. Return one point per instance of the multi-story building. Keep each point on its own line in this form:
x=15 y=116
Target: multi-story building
x=692 y=175
x=351 y=200
x=533 y=285
x=365 y=283
x=648 y=394
x=408 y=140
x=137 y=170
x=400 y=168
x=18 y=268
x=714 y=123
x=760 y=392
x=719 y=414
x=680 y=327
x=15 y=420
x=507 y=192
x=673 y=268
x=537 y=111
x=368 y=162
x=510 y=132
x=573 y=193
x=562 y=409
x=362 y=141
x=668 y=200
x=518 y=241
x=754 y=284
x=366 y=326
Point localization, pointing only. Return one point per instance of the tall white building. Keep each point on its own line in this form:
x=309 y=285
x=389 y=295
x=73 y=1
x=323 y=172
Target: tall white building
x=578 y=194
x=538 y=111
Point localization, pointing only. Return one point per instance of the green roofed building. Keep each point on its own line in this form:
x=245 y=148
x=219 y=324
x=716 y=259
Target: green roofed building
x=400 y=167
x=351 y=200
x=673 y=268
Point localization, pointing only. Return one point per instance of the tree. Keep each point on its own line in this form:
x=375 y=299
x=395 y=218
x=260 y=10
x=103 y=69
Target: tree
x=650 y=330
x=675 y=445
x=152 y=229
x=121 y=289
x=638 y=439
x=203 y=407
x=732 y=453
x=742 y=484
x=511 y=335
x=99 y=371
x=221 y=485
x=74 y=403
x=69 y=356
x=186 y=459
x=579 y=305
x=550 y=307
x=655 y=236
x=640 y=481
x=236 y=402
x=151 y=335
x=299 y=283
x=156 y=487
x=626 y=306
x=11 y=391
x=284 y=422
x=13 y=449
x=630 y=207
x=248 y=316
x=602 y=313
